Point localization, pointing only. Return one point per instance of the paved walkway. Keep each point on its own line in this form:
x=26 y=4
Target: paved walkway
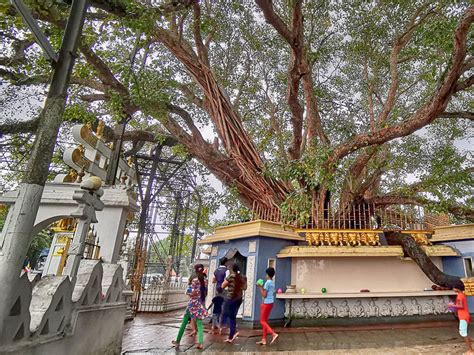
x=152 y=333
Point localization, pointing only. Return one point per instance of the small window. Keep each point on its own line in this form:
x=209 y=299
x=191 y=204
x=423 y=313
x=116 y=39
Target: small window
x=468 y=267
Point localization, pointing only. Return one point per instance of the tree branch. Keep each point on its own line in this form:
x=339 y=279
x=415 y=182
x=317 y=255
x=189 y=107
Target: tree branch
x=460 y=114
x=94 y=97
x=201 y=48
x=399 y=44
x=427 y=113
x=463 y=85
x=108 y=78
x=461 y=212
x=272 y=18
x=298 y=69
x=15 y=127
x=19 y=47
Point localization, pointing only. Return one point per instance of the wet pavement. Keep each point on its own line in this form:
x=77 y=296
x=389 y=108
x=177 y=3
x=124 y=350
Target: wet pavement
x=153 y=333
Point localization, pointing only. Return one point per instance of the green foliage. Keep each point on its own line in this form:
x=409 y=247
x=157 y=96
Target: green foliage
x=79 y=113
x=348 y=45
x=3 y=216
x=311 y=170
x=296 y=207
x=41 y=241
x=160 y=250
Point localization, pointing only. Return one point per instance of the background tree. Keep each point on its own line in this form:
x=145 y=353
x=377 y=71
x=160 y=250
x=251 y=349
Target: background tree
x=366 y=102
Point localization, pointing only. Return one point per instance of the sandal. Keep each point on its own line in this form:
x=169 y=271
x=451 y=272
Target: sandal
x=275 y=337
x=261 y=342
x=199 y=346
x=175 y=344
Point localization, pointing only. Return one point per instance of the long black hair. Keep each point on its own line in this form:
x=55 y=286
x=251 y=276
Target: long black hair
x=199 y=269
x=239 y=280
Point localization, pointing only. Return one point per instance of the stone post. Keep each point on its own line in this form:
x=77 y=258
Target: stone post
x=89 y=201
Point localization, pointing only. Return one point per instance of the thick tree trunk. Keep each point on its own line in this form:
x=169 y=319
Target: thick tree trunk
x=19 y=226
x=414 y=251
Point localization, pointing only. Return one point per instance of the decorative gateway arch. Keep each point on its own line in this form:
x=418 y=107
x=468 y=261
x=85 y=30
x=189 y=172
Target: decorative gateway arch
x=170 y=207
x=82 y=292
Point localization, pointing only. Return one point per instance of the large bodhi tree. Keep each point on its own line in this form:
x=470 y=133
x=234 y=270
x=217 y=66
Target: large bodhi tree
x=369 y=101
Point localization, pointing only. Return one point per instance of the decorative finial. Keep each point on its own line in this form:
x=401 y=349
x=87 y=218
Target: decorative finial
x=100 y=129
x=92 y=183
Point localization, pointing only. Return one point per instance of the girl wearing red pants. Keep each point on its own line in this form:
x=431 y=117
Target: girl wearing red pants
x=268 y=295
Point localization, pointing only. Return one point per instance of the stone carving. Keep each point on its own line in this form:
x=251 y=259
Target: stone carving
x=214 y=251
x=112 y=283
x=344 y=310
x=88 y=287
x=287 y=309
x=16 y=324
x=373 y=309
x=354 y=307
x=416 y=309
x=331 y=310
x=441 y=306
x=315 y=310
x=304 y=309
x=358 y=310
x=400 y=309
x=248 y=299
x=51 y=305
x=430 y=307
x=387 y=309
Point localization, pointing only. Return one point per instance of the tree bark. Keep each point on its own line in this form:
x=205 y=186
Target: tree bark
x=19 y=226
x=414 y=251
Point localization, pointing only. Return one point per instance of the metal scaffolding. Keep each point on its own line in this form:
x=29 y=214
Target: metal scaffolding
x=166 y=194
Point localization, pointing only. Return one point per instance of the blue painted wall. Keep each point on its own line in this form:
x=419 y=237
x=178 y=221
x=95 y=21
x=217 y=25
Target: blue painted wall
x=269 y=248
x=266 y=248
x=242 y=245
x=455 y=265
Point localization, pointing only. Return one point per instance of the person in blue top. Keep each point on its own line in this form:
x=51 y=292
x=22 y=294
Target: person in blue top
x=268 y=297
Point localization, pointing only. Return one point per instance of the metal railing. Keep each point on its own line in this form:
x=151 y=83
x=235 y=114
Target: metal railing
x=354 y=216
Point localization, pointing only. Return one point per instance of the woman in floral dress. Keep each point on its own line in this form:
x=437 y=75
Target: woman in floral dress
x=195 y=309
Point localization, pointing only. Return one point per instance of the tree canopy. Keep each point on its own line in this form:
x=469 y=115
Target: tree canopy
x=371 y=101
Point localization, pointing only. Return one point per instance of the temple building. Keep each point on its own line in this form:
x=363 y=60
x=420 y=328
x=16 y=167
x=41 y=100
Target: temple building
x=340 y=267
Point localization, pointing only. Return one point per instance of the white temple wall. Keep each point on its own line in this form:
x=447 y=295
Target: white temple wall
x=346 y=275
x=97 y=330
x=110 y=231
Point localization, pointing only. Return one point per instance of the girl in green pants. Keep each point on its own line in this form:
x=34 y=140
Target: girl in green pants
x=195 y=309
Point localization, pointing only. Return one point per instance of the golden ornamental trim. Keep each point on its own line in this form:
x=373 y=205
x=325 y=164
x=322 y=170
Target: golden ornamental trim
x=468 y=286
x=352 y=238
x=421 y=238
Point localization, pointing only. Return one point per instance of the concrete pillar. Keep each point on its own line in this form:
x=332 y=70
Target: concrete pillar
x=110 y=234
x=112 y=221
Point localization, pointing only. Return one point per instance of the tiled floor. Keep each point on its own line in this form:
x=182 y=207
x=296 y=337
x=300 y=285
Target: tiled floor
x=153 y=333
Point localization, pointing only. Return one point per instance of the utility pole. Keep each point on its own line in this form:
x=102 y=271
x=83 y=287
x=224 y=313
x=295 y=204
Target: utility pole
x=20 y=221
